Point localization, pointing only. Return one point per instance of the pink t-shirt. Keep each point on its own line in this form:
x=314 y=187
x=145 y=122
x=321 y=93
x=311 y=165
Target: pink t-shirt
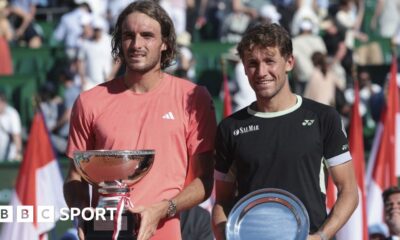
x=176 y=118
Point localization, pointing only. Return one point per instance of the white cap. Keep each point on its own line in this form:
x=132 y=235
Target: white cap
x=99 y=23
x=86 y=19
x=269 y=11
x=379 y=228
x=306 y=24
x=184 y=39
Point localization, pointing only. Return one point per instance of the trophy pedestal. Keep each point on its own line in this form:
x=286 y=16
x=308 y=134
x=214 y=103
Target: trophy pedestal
x=103 y=230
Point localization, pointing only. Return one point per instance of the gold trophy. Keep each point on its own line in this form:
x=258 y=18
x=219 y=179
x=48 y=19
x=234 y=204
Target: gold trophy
x=113 y=172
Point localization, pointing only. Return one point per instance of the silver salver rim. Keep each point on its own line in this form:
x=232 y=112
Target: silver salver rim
x=234 y=218
x=103 y=152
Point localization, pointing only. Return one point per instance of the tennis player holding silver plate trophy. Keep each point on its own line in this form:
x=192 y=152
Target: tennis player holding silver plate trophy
x=268 y=213
x=113 y=172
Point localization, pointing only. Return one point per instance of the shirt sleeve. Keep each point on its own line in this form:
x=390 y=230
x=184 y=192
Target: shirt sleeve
x=60 y=32
x=202 y=122
x=336 y=146
x=224 y=167
x=80 y=133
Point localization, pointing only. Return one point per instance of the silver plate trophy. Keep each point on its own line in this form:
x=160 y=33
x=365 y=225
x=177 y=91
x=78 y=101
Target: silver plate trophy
x=113 y=172
x=268 y=214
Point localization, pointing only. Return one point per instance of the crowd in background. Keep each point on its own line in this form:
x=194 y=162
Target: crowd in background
x=332 y=47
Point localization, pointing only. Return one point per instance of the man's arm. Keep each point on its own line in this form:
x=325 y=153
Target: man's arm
x=377 y=13
x=224 y=199
x=344 y=178
x=16 y=138
x=27 y=18
x=194 y=193
x=76 y=193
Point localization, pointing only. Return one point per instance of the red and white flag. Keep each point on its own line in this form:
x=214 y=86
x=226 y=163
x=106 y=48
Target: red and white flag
x=384 y=162
x=356 y=227
x=227 y=97
x=39 y=183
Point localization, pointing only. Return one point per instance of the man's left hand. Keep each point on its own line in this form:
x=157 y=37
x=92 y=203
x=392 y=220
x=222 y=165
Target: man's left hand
x=150 y=217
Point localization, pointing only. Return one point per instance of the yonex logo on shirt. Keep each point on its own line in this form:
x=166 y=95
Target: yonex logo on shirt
x=308 y=122
x=169 y=116
x=247 y=129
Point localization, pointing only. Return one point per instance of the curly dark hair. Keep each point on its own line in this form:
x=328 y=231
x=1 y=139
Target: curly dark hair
x=266 y=35
x=389 y=191
x=155 y=11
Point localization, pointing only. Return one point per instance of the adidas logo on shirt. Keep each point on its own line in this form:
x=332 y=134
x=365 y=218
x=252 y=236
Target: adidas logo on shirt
x=169 y=116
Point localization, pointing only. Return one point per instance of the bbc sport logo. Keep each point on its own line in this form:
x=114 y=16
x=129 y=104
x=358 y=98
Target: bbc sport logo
x=25 y=213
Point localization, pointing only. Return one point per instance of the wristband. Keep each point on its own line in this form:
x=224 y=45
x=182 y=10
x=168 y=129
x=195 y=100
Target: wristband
x=322 y=235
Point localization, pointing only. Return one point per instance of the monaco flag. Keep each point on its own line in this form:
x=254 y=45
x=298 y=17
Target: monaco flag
x=227 y=97
x=356 y=227
x=39 y=183
x=384 y=161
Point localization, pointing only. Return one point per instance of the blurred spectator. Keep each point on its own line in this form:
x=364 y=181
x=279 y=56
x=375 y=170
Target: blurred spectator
x=196 y=15
x=196 y=224
x=176 y=9
x=386 y=18
x=27 y=32
x=6 y=35
x=73 y=28
x=185 y=62
x=242 y=93
x=391 y=201
x=286 y=8
x=270 y=13
x=10 y=131
x=304 y=45
x=239 y=14
x=377 y=232
x=322 y=8
x=209 y=25
x=368 y=90
x=49 y=103
x=367 y=87
x=334 y=39
x=305 y=10
x=98 y=8
x=114 y=8
x=349 y=17
x=95 y=62
x=323 y=82
x=61 y=128
x=378 y=100
x=267 y=14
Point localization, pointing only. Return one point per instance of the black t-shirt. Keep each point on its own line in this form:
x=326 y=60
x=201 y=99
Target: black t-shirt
x=284 y=150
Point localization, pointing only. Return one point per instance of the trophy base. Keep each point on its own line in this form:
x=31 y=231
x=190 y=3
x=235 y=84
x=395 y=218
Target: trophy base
x=104 y=229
